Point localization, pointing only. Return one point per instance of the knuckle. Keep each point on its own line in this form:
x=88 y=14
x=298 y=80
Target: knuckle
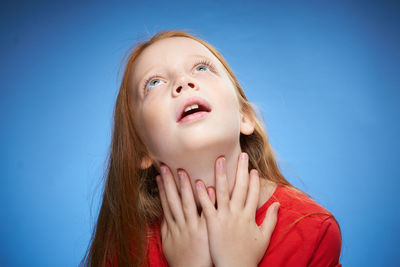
x=254 y=172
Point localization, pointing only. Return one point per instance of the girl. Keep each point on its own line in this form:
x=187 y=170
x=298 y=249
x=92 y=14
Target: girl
x=179 y=108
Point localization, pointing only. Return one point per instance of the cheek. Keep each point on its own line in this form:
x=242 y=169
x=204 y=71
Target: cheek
x=156 y=128
x=229 y=106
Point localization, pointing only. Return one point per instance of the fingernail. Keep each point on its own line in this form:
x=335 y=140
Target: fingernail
x=210 y=192
x=243 y=156
x=181 y=175
x=199 y=186
x=163 y=169
x=221 y=162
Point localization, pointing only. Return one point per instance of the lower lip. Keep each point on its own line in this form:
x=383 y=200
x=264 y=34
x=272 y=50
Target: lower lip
x=194 y=117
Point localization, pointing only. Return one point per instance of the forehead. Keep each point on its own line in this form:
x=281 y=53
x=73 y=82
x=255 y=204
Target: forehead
x=170 y=49
x=167 y=52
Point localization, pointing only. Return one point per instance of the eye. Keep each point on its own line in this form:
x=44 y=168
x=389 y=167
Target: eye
x=202 y=68
x=151 y=83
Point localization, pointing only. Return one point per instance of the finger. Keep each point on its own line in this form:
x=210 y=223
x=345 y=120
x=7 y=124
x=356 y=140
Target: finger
x=205 y=202
x=211 y=194
x=164 y=202
x=253 y=193
x=221 y=184
x=188 y=203
x=241 y=182
x=268 y=225
x=164 y=229
x=173 y=198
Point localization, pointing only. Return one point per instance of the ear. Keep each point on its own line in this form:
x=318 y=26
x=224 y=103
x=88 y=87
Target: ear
x=146 y=162
x=246 y=125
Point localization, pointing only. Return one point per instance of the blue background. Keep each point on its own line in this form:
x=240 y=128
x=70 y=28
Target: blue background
x=324 y=74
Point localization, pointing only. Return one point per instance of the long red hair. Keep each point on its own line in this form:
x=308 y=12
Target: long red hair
x=130 y=199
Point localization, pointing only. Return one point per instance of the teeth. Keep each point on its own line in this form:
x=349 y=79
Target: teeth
x=191 y=107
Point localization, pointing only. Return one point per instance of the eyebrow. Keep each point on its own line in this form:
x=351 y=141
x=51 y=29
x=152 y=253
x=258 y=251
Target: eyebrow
x=153 y=67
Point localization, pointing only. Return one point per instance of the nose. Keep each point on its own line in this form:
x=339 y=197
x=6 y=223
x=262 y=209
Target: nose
x=184 y=82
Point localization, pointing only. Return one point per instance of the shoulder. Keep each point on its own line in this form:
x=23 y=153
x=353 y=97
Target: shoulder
x=305 y=232
x=294 y=204
x=298 y=208
x=297 y=202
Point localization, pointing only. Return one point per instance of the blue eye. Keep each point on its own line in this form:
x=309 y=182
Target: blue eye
x=204 y=65
x=151 y=83
x=202 y=68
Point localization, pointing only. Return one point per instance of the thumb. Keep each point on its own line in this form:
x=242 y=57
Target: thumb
x=268 y=225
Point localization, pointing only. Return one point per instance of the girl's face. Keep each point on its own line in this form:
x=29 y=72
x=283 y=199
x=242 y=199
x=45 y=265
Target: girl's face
x=171 y=75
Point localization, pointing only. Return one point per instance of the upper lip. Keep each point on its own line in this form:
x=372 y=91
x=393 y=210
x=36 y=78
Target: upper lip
x=190 y=101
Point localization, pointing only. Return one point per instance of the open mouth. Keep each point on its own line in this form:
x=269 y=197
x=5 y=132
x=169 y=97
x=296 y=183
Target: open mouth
x=192 y=108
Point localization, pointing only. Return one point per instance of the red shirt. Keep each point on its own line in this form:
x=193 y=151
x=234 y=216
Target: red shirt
x=314 y=240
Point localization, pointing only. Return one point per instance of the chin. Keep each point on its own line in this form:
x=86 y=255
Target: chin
x=210 y=141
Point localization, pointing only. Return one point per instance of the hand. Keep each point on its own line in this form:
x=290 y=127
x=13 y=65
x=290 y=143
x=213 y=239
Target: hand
x=183 y=231
x=234 y=237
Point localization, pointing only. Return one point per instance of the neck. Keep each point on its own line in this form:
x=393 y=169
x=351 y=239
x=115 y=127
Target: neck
x=200 y=164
